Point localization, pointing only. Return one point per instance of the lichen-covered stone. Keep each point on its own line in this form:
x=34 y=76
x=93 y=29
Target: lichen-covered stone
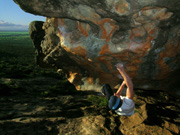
x=87 y=38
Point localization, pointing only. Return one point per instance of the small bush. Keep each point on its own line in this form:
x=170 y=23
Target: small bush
x=98 y=101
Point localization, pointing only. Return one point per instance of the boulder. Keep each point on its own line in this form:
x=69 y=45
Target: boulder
x=87 y=38
x=37 y=35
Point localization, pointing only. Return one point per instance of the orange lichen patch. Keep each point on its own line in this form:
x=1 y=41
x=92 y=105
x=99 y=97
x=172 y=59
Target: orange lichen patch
x=109 y=65
x=145 y=46
x=66 y=48
x=90 y=80
x=138 y=32
x=124 y=54
x=78 y=87
x=103 y=30
x=105 y=58
x=136 y=60
x=146 y=8
x=161 y=14
x=122 y=6
x=132 y=74
x=114 y=28
x=61 y=22
x=104 y=49
x=102 y=21
x=79 y=51
x=98 y=67
x=131 y=60
x=152 y=13
x=54 y=20
x=107 y=61
x=163 y=70
x=131 y=68
x=101 y=58
x=150 y=26
x=105 y=33
x=75 y=78
x=83 y=28
x=134 y=47
x=170 y=51
x=107 y=78
x=90 y=60
x=60 y=35
x=72 y=76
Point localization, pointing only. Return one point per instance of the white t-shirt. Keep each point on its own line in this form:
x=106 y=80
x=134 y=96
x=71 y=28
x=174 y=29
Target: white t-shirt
x=127 y=107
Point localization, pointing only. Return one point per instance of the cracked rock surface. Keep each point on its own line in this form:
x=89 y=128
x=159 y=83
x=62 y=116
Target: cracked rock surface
x=86 y=39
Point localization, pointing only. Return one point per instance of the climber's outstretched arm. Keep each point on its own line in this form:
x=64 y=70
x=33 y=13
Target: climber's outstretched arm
x=127 y=80
x=120 y=90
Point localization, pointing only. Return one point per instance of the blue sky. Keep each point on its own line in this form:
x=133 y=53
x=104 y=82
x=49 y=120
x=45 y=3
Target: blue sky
x=12 y=17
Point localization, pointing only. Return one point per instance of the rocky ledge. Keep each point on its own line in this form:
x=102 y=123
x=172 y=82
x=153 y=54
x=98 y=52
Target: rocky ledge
x=86 y=39
x=29 y=109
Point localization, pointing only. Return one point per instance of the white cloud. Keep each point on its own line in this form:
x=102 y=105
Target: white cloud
x=11 y=26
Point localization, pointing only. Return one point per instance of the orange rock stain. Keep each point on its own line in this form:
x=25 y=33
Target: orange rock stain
x=79 y=51
x=121 y=7
x=106 y=34
x=83 y=30
x=104 y=49
x=72 y=76
x=90 y=80
x=96 y=66
x=170 y=51
x=57 y=22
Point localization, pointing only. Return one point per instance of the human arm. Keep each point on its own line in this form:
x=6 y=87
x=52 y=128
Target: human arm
x=120 y=90
x=127 y=80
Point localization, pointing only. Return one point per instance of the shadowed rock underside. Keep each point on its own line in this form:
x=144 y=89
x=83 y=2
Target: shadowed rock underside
x=87 y=38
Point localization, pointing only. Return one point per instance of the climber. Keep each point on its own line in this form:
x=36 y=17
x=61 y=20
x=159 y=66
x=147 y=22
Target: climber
x=122 y=105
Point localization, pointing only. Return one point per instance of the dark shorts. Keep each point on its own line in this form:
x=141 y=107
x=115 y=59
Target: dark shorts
x=107 y=91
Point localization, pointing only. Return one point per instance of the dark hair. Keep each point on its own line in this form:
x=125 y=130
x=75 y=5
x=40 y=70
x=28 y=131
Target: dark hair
x=114 y=102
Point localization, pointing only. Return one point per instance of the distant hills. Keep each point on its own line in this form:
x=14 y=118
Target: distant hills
x=7 y=26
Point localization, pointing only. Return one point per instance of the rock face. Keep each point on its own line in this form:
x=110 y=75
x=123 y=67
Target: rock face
x=37 y=35
x=87 y=38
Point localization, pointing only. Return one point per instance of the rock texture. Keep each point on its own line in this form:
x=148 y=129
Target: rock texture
x=25 y=111
x=87 y=38
x=37 y=35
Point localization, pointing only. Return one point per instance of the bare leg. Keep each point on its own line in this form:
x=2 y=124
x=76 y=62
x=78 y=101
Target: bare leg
x=127 y=79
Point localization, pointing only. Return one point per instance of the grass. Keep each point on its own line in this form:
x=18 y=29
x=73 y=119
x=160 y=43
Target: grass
x=13 y=39
x=17 y=61
x=17 y=57
x=98 y=101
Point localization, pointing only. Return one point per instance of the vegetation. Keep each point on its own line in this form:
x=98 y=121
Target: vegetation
x=98 y=100
x=17 y=61
x=16 y=54
x=17 y=57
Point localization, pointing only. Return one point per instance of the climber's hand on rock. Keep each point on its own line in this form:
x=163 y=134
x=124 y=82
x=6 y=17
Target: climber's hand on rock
x=120 y=66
